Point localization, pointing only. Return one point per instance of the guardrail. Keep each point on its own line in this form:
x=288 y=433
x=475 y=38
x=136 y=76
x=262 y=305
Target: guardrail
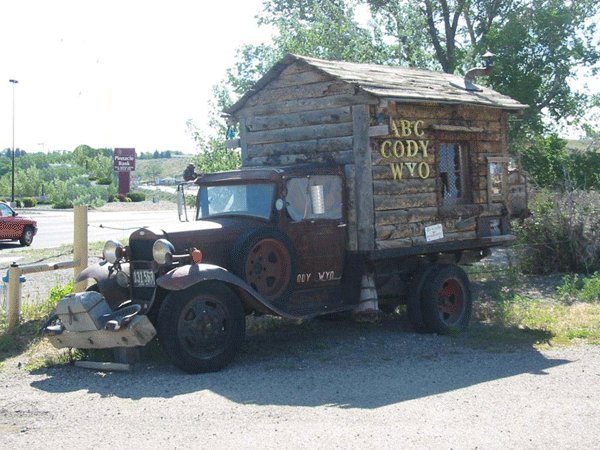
x=79 y=262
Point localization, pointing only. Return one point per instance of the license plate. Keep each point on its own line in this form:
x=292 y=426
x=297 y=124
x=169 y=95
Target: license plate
x=143 y=278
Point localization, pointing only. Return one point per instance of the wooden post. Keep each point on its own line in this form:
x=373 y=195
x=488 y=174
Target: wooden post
x=243 y=141
x=363 y=178
x=80 y=244
x=14 y=295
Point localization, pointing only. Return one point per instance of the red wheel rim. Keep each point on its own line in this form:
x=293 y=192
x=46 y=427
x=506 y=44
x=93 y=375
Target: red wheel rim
x=268 y=268
x=451 y=301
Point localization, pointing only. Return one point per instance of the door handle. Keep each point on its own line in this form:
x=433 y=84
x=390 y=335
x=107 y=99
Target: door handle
x=342 y=225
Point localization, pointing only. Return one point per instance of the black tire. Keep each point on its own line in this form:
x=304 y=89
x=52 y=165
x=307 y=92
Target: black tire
x=27 y=237
x=414 y=298
x=447 y=301
x=201 y=328
x=266 y=259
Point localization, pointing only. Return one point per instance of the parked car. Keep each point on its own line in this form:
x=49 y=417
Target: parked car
x=15 y=227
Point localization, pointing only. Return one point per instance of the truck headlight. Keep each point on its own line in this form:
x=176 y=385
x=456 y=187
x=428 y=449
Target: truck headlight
x=162 y=252
x=113 y=251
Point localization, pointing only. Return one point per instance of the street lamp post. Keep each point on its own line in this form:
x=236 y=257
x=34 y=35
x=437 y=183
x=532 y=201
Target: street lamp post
x=12 y=155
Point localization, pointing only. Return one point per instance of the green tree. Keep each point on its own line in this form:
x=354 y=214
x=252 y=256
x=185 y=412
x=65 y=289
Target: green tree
x=539 y=43
x=545 y=160
x=100 y=168
x=402 y=26
x=539 y=46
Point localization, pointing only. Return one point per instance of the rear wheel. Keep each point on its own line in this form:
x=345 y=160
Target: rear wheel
x=447 y=301
x=415 y=294
x=27 y=237
x=201 y=328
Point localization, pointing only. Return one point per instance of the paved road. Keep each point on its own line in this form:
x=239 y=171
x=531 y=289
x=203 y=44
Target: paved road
x=55 y=227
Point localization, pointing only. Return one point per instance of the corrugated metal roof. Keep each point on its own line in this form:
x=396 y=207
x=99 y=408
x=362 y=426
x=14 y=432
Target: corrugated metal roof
x=393 y=82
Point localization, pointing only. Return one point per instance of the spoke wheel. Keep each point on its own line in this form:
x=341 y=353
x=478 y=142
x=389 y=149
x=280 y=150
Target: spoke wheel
x=447 y=300
x=201 y=328
x=268 y=267
x=266 y=260
x=451 y=302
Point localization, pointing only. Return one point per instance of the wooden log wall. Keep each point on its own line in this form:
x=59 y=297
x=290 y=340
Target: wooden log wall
x=305 y=116
x=406 y=184
x=300 y=116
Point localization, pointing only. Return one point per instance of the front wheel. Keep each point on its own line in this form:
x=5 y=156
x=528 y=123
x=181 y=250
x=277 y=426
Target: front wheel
x=27 y=237
x=201 y=328
x=447 y=300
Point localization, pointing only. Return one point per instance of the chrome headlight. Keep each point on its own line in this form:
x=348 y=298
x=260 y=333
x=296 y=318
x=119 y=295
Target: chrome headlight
x=162 y=252
x=113 y=251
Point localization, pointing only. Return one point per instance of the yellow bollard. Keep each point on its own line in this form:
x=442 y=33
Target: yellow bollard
x=80 y=244
x=14 y=295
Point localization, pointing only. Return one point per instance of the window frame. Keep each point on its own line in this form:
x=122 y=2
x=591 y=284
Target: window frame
x=463 y=172
x=503 y=161
x=309 y=214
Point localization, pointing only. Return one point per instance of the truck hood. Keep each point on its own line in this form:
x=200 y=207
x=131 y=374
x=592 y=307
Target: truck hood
x=215 y=238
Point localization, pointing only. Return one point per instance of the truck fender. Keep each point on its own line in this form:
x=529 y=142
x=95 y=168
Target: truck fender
x=185 y=276
x=106 y=281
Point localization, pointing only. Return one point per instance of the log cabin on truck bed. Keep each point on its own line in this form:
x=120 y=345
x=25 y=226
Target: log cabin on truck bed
x=425 y=153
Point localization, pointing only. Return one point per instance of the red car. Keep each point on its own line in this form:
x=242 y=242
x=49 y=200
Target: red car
x=14 y=227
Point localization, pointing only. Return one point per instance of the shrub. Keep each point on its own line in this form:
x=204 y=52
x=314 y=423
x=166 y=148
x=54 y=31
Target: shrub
x=580 y=288
x=29 y=202
x=562 y=234
x=137 y=196
x=76 y=191
x=62 y=204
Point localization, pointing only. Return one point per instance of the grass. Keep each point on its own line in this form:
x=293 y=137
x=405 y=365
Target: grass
x=506 y=317
x=24 y=344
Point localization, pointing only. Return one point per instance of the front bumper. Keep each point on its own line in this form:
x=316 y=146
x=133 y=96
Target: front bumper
x=85 y=320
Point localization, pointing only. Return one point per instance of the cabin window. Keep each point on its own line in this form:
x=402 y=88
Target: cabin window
x=315 y=197
x=451 y=165
x=497 y=177
x=496 y=172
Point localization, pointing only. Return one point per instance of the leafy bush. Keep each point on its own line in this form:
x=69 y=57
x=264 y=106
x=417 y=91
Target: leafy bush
x=76 y=191
x=29 y=202
x=563 y=233
x=575 y=287
x=62 y=204
x=137 y=196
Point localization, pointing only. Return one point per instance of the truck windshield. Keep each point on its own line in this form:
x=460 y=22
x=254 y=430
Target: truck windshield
x=236 y=199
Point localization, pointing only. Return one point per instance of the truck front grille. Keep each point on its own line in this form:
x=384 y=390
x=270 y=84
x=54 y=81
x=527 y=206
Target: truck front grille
x=141 y=259
x=141 y=250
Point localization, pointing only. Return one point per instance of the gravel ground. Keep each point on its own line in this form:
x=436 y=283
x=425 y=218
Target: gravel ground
x=318 y=385
x=321 y=384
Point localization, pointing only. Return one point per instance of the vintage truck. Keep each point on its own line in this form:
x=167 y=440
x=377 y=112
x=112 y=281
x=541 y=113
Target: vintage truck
x=362 y=187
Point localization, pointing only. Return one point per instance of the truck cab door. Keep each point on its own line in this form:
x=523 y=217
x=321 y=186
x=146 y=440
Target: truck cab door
x=316 y=225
